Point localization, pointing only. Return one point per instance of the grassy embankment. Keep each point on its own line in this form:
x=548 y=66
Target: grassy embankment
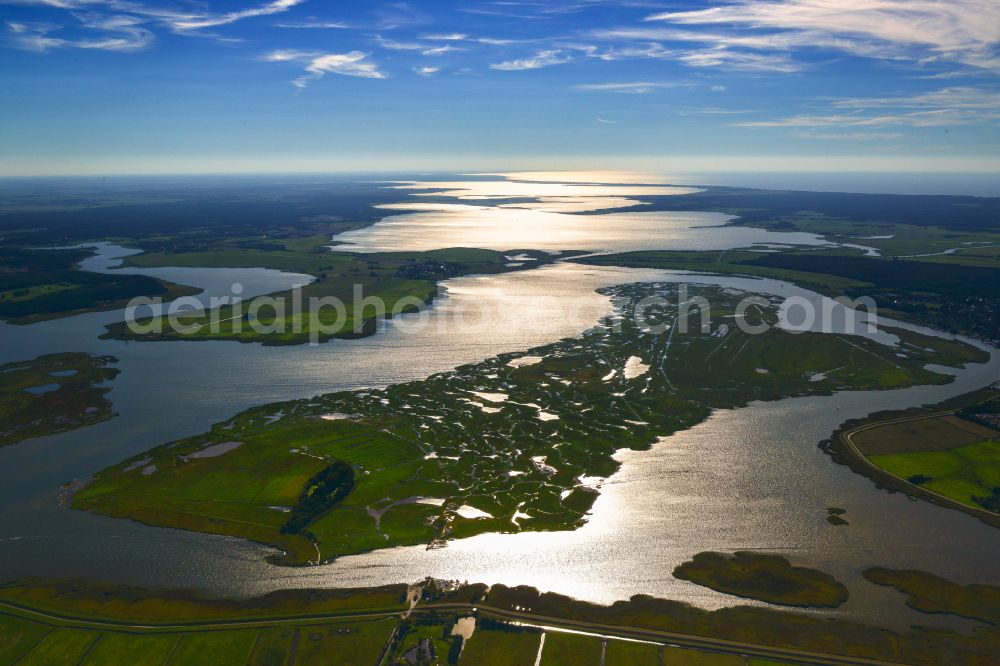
x=949 y=451
x=404 y=281
x=278 y=630
x=46 y=284
x=762 y=577
x=814 y=632
x=360 y=626
x=53 y=393
x=500 y=447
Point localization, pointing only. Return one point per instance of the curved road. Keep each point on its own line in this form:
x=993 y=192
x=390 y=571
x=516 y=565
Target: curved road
x=917 y=491
x=787 y=655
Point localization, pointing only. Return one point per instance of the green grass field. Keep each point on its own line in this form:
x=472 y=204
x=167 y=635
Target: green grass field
x=359 y=643
x=675 y=656
x=113 y=649
x=501 y=648
x=28 y=293
x=953 y=450
x=969 y=474
x=402 y=281
x=129 y=604
x=564 y=648
x=60 y=646
x=625 y=653
x=18 y=636
x=227 y=648
x=284 y=628
x=36 y=644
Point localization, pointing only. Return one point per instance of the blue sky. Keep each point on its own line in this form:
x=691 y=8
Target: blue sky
x=130 y=86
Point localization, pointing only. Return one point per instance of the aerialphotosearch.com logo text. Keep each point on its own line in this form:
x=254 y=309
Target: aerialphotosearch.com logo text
x=318 y=318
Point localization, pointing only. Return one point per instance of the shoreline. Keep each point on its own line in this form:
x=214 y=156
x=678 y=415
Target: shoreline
x=842 y=449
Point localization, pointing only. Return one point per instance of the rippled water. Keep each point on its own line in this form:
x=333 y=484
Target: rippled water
x=663 y=506
x=750 y=478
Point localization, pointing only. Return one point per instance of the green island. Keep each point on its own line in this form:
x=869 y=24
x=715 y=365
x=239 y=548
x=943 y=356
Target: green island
x=835 y=516
x=951 y=296
x=763 y=577
x=946 y=453
x=43 y=284
x=505 y=445
x=957 y=230
x=52 y=394
x=928 y=593
x=402 y=281
x=441 y=622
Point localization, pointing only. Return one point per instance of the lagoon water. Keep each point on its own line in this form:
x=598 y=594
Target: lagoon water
x=750 y=478
x=547 y=226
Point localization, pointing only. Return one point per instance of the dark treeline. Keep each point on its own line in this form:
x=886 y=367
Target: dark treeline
x=912 y=276
x=322 y=493
x=22 y=269
x=961 y=213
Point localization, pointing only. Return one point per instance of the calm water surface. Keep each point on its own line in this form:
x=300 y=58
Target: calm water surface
x=750 y=478
x=504 y=227
x=548 y=223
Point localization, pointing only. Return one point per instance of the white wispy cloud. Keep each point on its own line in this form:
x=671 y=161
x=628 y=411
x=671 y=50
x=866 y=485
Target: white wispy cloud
x=632 y=87
x=314 y=25
x=424 y=48
x=848 y=136
x=964 y=31
x=212 y=21
x=713 y=111
x=545 y=58
x=497 y=12
x=426 y=71
x=395 y=45
x=317 y=65
x=720 y=56
x=935 y=118
x=111 y=33
x=496 y=41
x=957 y=97
x=605 y=121
x=440 y=50
x=948 y=106
x=123 y=25
x=783 y=40
x=287 y=55
x=709 y=53
x=446 y=37
x=396 y=15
